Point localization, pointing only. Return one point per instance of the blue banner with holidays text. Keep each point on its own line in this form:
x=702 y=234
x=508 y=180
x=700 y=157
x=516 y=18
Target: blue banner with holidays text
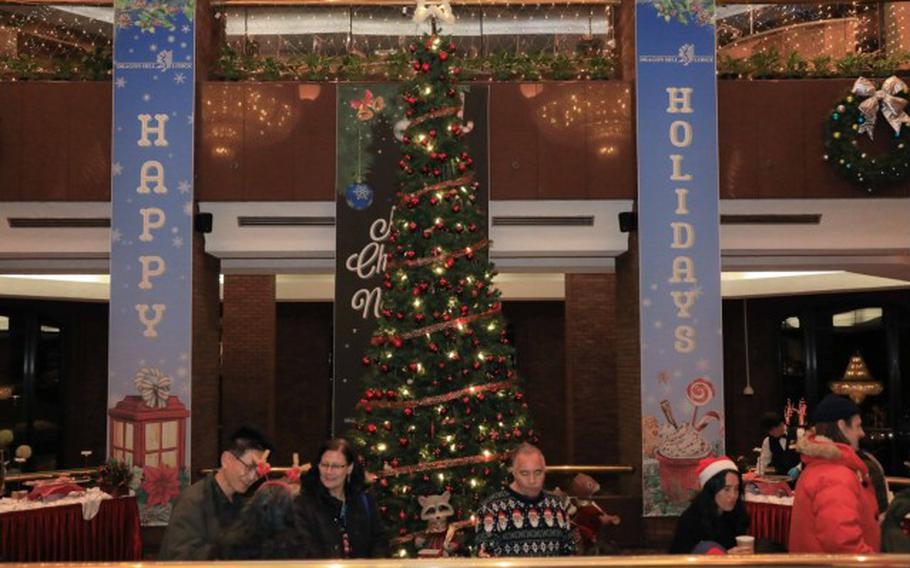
x=150 y=345
x=679 y=249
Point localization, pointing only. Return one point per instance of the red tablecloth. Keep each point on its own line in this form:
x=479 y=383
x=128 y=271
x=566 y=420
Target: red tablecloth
x=770 y=521
x=54 y=534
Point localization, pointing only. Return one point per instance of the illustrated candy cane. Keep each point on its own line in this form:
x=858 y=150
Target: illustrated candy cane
x=699 y=392
x=707 y=418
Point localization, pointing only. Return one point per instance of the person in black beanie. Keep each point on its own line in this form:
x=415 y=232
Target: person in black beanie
x=834 y=509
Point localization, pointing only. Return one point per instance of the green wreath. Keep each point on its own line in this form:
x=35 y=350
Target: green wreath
x=846 y=122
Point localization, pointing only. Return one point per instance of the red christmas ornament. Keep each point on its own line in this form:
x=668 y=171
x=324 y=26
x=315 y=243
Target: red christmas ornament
x=408 y=412
x=365 y=361
x=396 y=341
x=425 y=67
x=403 y=442
x=371 y=428
x=412 y=367
x=443 y=55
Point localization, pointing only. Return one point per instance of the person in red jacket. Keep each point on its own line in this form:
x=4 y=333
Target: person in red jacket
x=834 y=509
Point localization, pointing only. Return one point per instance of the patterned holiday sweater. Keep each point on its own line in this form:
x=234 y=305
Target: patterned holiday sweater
x=510 y=524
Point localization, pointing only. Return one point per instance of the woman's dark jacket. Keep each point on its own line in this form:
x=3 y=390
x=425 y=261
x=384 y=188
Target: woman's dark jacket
x=692 y=528
x=320 y=521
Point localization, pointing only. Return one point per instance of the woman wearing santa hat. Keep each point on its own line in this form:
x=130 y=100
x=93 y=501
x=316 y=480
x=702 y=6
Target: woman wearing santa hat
x=717 y=515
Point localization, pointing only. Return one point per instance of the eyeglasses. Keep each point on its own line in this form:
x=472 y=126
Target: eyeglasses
x=332 y=466
x=248 y=468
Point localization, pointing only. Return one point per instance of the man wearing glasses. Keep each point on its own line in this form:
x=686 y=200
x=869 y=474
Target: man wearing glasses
x=213 y=503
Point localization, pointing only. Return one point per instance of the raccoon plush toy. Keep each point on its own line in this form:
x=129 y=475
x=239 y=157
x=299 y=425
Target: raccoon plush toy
x=436 y=540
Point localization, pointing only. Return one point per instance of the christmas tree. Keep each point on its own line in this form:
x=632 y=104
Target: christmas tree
x=441 y=408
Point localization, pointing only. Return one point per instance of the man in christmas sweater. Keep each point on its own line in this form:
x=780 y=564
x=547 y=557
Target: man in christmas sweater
x=524 y=520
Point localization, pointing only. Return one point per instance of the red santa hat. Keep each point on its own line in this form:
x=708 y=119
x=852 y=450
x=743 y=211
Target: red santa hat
x=711 y=466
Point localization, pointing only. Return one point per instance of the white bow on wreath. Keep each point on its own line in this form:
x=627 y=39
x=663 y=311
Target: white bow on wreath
x=892 y=106
x=440 y=11
x=154 y=387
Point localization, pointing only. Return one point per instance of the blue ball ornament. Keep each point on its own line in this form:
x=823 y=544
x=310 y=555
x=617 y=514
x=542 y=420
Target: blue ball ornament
x=358 y=195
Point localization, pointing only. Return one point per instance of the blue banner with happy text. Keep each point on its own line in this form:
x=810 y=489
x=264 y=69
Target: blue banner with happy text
x=679 y=249
x=150 y=343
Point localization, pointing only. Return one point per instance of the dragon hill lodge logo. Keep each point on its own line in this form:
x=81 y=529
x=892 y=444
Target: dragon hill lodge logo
x=685 y=56
x=164 y=61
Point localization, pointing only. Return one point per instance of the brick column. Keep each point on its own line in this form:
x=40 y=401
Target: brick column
x=628 y=365
x=206 y=403
x=248 y=353
x=591 y=409
x=206 y=357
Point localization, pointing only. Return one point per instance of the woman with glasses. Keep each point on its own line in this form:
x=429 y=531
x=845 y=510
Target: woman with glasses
x=335 y=514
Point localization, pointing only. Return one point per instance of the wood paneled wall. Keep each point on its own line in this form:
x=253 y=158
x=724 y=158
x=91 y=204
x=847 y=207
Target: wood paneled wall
x=552 y=140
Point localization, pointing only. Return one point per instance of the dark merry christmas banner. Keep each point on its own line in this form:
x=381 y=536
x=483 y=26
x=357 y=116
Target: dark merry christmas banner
x=151 y=249
x=370 y=124
x=681 y=355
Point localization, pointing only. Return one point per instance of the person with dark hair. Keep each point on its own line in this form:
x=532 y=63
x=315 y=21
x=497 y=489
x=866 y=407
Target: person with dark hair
x=775 y=451
x=523 y=519
x=265 y=529
x=834 y=509
x=717 y=515
x=214 y=502
x=336 y=515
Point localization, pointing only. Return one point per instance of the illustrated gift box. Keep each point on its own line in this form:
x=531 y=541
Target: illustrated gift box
x=149 y=436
